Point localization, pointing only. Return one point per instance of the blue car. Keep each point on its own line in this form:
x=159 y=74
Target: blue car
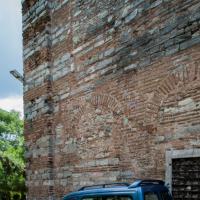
x=138 y=190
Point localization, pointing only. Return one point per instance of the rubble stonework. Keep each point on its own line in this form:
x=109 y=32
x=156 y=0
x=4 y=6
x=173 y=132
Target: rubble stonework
x=110 y=86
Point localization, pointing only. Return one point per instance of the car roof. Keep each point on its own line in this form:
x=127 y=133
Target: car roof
x=99 y=191
x=116 y=188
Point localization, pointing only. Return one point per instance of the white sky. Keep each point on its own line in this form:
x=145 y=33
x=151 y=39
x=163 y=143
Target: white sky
x=10 y=54
x=12 y=103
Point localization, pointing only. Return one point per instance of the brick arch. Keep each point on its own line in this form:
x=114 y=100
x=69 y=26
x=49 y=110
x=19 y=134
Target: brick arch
x=105 y=100
x=120 y=131
x=108 y=101
x=175 y=81
x=80 y=106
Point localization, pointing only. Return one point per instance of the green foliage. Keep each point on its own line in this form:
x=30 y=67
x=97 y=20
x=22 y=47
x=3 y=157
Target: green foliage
x=12 y=176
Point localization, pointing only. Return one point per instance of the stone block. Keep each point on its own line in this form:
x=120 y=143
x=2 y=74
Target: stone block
x=190 y=43
x=131 y=16
x=172 y=49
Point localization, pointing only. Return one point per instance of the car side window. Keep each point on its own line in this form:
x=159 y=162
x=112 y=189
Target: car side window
x=165 y=196
x=150 y=196
x=110 y=197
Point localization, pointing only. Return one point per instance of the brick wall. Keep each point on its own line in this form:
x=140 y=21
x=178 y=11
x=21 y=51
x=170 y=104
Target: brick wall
x=110 y=86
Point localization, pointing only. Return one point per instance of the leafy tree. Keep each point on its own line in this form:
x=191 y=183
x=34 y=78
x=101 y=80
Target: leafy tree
x=12 y=176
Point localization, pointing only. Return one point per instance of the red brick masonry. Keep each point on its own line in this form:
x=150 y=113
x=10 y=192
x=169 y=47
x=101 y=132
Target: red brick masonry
x=110 y=86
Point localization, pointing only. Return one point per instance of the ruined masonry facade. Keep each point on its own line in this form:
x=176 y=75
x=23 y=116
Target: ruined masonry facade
x=110 y=87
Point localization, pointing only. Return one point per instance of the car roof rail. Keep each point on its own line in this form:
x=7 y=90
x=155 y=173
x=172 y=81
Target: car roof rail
x=138 y=183
x=107 y=185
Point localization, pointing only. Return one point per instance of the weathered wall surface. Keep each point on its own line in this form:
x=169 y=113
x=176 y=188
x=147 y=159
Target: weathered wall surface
x=110 y=86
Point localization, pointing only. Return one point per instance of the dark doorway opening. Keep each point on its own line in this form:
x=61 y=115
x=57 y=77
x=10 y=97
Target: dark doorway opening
x=186 y=178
